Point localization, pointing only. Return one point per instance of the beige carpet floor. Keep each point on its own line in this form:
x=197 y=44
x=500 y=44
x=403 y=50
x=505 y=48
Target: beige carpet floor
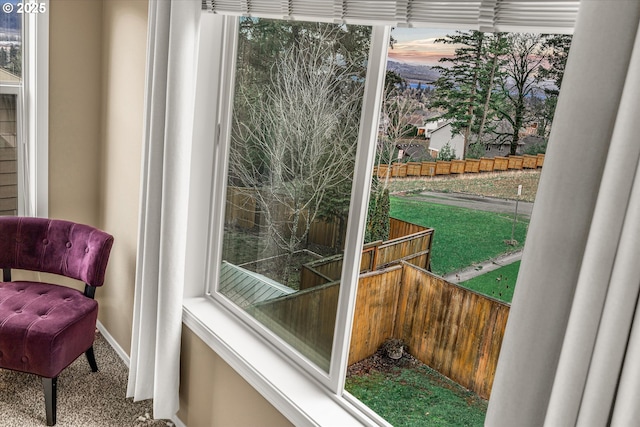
x=85 y=399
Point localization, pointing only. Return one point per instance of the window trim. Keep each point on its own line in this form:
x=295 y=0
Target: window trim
x=334 y=378
x=292 y=390
x=33 y=181
x=299 y=396
x=32 y=115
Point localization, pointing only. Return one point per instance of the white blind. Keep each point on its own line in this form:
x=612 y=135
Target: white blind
x=486 y=15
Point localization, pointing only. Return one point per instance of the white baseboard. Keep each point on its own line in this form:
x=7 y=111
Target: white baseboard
x=113 y=343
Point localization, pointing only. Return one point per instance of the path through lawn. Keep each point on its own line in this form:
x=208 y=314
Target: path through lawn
x=462 y=237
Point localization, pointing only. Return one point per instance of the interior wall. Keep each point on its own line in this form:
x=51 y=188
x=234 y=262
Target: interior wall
x=75 y=74
x=97 y=80
x=213 y=394
x=124 y=45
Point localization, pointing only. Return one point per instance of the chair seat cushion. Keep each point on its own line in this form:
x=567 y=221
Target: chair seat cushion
x=44 y=327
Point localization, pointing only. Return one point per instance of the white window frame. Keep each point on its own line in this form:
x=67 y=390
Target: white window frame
x=356 y=219
x=304 y=395
x=32 y=114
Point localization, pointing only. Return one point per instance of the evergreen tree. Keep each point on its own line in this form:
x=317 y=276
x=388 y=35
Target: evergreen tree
x=377 y=227
x=465 y=91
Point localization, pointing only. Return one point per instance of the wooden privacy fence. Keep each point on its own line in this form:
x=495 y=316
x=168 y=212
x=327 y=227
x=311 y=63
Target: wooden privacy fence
x=242 y=211
x=305 y=320
x=413 y=245
x=456 y=167
x=452 y=329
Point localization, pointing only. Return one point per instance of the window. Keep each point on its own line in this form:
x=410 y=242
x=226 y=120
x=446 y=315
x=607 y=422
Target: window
x=293 y=145
x=291 y=156
x=236 y=209
x=23 y=110
x=10 y=103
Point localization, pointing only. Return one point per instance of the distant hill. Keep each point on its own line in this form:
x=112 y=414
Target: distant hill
x=412 y=72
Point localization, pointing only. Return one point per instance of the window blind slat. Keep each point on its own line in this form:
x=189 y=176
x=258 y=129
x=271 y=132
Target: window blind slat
x=488 y=15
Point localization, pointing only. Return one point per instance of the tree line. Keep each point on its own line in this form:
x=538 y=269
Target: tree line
x=494 y=86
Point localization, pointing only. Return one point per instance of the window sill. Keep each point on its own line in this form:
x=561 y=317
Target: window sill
x=289 y=389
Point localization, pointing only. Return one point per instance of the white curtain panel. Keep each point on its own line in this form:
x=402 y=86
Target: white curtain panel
x=571 y=353
x=169 y=108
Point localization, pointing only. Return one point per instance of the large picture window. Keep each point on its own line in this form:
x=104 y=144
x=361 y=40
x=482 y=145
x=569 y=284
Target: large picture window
x=291 y=158
x=300 y=118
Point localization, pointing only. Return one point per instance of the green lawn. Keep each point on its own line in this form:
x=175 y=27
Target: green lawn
x=417 y=396
x=462 y=236
x=498 y=283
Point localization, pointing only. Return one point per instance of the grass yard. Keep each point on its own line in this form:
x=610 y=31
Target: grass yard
x=414 y=395
x=498 y=283
x=503 y=185
x=462 y=236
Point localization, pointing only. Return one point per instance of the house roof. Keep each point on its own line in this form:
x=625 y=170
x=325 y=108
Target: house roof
x=246 y=288
x=6 y=76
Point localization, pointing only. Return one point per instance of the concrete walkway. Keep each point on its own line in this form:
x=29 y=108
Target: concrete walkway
x=489 y=204
x=483 y=267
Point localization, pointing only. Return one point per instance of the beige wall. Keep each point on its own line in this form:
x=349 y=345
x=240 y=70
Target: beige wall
x=124 y=41
x=213 y=394
x=97 y=71
x=75 y=74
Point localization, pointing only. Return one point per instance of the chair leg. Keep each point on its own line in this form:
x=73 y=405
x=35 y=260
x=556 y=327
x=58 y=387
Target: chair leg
x=92 y=359
x=50 y=396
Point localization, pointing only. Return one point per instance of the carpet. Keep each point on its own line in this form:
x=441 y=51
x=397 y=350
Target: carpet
x=85 y=399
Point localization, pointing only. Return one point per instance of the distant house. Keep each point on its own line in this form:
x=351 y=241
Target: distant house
x=415 y=152
x=443 y=135
x=524 y=143
x=8 y=77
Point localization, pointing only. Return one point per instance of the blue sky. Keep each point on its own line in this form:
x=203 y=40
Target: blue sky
x=416 y=45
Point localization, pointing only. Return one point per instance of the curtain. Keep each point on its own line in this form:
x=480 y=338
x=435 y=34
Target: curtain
x=160 y=271
x=571 y=352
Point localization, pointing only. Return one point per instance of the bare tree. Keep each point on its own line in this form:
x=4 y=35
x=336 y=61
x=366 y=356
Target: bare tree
x=525 y=59
x=296 y=140
x=397 y=110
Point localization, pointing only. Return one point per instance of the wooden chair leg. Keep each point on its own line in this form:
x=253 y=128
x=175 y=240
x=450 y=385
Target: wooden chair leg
x=50 y=396
x=92 y=359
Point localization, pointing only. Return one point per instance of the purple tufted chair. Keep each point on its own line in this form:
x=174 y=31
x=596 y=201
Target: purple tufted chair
x=45 y=327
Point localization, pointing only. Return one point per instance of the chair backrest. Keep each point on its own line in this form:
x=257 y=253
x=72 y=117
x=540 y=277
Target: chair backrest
x=55 y=246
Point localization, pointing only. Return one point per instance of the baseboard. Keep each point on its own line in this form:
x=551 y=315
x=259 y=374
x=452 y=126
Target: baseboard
x=113 y=343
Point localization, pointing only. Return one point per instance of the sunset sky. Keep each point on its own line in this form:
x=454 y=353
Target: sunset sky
x=416 y=46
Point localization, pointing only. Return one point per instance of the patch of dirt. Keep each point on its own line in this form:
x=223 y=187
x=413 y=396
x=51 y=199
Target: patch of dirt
x=380 y=362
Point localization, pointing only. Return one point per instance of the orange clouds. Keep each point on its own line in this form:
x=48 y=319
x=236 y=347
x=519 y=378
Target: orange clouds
x=423 y=52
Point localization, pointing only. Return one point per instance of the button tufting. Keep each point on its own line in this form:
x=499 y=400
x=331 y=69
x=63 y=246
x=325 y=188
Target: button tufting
x=18 y=311
x=68 y=245
x=24 y=359
x=45 y=242
x=86 y=250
